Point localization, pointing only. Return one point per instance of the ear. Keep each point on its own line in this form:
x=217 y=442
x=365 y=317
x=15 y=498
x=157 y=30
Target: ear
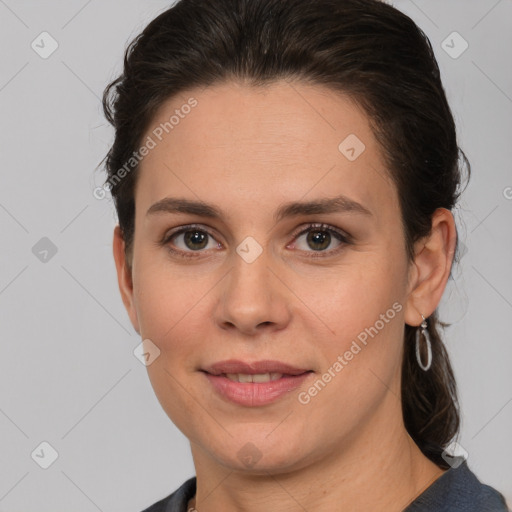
x=124 y=277
x=431 y=268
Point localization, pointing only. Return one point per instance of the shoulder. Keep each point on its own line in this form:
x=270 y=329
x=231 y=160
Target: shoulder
x=459 y=490
x=176 y=501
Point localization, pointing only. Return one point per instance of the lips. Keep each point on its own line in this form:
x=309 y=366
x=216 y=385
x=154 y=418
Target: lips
x=254 y=384
x=234 y=366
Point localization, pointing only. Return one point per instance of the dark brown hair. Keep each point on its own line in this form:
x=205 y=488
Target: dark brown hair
x=364 y=48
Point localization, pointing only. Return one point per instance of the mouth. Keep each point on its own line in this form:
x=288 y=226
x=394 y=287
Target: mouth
x=254 y=384
x=275 y=369
x=256 y=377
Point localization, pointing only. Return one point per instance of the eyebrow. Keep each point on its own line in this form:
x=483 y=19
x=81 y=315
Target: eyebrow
x=338 y=204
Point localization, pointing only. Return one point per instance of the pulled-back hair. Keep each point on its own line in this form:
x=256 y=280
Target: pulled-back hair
x=365 y=49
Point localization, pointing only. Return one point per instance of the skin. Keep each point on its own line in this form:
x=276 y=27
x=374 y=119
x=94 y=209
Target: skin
x=247 y=150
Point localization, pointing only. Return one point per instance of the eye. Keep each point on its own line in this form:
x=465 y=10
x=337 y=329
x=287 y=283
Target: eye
x=316 y=238
x=192 y=240
x=189 y=240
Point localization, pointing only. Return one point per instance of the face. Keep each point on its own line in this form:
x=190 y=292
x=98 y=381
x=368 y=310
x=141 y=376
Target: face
x=321 y=288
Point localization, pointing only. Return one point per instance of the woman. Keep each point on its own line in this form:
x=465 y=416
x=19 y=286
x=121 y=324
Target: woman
x=284 y=173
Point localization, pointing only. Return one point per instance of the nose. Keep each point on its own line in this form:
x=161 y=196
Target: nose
x=252 y=299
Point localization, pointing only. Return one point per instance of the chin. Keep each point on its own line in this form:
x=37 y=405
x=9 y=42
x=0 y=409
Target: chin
x=260 y=454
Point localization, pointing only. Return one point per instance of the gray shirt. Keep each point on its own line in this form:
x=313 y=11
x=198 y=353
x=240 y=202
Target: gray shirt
x=456 y=490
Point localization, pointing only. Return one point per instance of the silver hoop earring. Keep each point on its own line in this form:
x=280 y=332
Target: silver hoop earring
x=425 y=335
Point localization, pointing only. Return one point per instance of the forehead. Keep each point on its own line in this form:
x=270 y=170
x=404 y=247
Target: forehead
x=271 y=143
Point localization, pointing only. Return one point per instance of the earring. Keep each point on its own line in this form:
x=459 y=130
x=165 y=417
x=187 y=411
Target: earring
x=425 y=335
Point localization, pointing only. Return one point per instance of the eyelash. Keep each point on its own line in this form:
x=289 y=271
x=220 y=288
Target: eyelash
x=342 y=237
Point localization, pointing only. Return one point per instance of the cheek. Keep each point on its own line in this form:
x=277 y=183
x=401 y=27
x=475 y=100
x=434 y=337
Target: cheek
x=362 y=358
x=175 y=313
x=164 y=299
x=171 y=315
x=362 y=313
x=351 y=299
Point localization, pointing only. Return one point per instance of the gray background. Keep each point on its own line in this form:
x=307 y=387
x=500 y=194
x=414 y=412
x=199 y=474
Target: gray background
x=68 y=375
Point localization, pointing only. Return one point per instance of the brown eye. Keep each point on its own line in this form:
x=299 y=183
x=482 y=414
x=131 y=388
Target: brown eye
x=195 y=239
x=320 y=238
x=189 y=241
